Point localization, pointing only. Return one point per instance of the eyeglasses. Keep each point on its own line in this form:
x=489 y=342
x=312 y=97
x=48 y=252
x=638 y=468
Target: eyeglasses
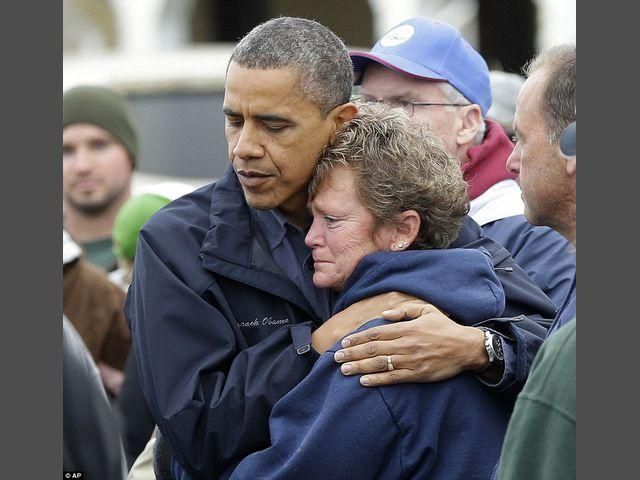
x=409 y=105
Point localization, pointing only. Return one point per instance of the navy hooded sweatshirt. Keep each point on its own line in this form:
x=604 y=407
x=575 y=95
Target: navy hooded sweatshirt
x=330 y=426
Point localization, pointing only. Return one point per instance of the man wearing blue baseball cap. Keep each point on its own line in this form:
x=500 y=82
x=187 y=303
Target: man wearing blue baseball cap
x=426 y=67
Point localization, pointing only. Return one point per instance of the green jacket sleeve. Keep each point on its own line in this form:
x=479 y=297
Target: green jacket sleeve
x=541 y=437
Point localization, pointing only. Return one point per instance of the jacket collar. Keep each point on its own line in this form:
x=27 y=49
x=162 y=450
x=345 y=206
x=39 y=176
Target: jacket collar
x=487 y=161
x=230 y=223
x=235 y=247
x=469 y=232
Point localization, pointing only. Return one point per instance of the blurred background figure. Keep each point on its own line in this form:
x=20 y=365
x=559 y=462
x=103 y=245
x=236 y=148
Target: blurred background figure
x=505 y=87
x=99 y=148
x=91 y=443
x=95 y=307
x=126 y=226
x=133 y=214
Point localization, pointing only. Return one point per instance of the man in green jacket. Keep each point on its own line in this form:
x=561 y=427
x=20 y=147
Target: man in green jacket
x=545 y=415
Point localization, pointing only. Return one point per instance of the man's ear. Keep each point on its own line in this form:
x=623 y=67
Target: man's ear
x=471 y=122
x=343 y=113
x=571 y=165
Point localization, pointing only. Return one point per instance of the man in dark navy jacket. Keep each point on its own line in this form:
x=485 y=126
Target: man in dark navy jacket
x=224 y=316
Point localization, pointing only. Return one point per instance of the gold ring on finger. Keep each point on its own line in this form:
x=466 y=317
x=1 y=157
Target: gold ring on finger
x=389 y=363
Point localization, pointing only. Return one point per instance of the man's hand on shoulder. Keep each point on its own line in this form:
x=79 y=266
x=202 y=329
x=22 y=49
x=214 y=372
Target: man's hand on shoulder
x=423 y=346
x=353 y=317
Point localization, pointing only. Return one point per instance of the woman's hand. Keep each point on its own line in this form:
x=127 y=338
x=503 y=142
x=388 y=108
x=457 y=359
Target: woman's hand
x=426 y=347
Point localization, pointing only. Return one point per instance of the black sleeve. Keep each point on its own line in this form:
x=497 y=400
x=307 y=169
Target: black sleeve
x=91 y=441
x=136 y=422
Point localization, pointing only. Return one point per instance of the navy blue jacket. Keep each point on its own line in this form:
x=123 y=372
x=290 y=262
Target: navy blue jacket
x=547 y=257
x=567 y=310
x=221 y=334
x=331 y=427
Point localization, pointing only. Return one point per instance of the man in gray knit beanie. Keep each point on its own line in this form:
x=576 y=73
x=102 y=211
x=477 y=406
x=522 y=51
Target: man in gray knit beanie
x=99 y=150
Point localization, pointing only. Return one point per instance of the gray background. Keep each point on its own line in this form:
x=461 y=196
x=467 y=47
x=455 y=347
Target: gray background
x=181 y=133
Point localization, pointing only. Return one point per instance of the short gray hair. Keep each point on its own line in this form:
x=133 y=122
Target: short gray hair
x=318 y=54
x=399 y=166
x=559 y=96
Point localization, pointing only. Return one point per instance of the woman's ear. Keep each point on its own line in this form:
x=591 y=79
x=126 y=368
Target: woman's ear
x=406 y=230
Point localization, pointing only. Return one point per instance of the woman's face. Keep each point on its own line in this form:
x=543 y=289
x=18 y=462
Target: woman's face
x=343 y=230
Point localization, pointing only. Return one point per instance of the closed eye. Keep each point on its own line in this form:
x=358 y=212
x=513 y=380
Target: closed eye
x=274 y=127
x=234 y=121
x=331 y=222
x=232 y=118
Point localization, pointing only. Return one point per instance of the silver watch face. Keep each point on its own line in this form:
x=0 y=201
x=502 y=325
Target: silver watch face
x=496 y=341
x=493 y=346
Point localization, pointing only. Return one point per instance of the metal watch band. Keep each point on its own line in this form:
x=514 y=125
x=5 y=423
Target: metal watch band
x=489 y=346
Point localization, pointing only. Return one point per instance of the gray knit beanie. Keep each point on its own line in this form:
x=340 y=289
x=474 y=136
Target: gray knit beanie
x=104 y=108
x=505 y=88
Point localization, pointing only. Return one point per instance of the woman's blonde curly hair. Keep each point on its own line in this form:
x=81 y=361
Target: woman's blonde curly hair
x=399 y=165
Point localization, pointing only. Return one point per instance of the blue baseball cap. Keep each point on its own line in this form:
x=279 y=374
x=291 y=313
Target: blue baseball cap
x=424 y=48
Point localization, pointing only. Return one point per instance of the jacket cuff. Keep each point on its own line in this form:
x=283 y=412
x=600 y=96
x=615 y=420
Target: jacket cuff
x=510 y=339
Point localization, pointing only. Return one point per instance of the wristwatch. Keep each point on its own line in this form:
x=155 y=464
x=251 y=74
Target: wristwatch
x=493 y=346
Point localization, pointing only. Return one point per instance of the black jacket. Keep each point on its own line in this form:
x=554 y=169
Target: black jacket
x=91 y=442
